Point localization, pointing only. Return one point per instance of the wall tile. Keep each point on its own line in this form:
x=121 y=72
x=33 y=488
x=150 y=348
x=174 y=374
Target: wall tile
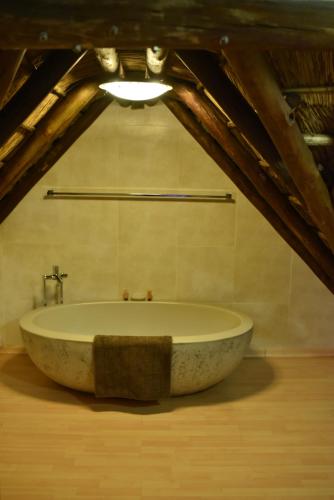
x=92 y=160
x=84 y=222
x=145 y=221
x=262 y=259
x=206 y=224
x=205 y=274
x=270 y=333
x=147 y=266
x=157 y=116
x=25 y=264
x=311 y=311
x=148 y=157
x=71 y=222
x=93 y=272
x=34 y=220
x=197 y=169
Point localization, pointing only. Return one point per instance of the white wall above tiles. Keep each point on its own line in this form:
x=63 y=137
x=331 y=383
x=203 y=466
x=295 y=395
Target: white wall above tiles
x=225 y=253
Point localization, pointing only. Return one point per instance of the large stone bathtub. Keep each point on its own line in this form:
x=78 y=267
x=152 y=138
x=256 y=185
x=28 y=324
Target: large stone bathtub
x=208 y=341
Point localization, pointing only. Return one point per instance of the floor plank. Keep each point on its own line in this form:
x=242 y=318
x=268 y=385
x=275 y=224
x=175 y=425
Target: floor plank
x=265 y=432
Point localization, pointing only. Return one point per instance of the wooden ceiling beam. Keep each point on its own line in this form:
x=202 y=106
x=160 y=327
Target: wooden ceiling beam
x=206 y=70
x=36 y=88
x=55 y=151
x=260 y=85
x=210 y=118
x=263 y=24
x=10 y=61
x=48 y=129
x=214 y=150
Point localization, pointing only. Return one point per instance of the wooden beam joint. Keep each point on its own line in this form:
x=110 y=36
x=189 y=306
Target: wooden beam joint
x=37 y=87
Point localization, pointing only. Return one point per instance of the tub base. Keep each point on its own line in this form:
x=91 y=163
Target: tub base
x=195 y=366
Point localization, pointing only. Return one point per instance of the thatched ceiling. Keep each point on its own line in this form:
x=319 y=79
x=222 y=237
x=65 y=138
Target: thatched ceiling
x=254 y=85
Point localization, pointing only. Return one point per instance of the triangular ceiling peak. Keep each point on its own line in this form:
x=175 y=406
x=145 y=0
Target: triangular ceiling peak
x=57 y=97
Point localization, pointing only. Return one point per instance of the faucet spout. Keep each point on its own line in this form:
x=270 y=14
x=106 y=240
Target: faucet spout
x=56 y=275
x=59 y=277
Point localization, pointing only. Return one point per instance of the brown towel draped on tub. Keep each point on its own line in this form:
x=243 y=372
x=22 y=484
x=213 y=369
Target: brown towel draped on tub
x=132 y=367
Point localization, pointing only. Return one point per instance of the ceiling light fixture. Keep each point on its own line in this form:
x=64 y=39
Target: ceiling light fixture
x=136 y=90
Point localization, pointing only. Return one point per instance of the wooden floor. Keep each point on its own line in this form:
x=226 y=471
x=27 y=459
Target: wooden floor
x=265 y=432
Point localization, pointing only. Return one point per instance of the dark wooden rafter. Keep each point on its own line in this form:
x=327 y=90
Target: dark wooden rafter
x=56 y=149
x=181 y=24
x=215 y=151
x=10 y=61
x=213 y=122
x=258 y=81
x=36 y=88
x=31 y=61
x=50 y=127
x=205 y=68
x=176 y=69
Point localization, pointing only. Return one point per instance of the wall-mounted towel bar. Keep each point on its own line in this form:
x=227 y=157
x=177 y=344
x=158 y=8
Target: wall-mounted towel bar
x=85 y=195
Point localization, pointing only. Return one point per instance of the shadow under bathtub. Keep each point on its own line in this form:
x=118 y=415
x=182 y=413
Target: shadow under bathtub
x=253 y=376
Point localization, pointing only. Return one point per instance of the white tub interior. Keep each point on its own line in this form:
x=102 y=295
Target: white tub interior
x=185 y=322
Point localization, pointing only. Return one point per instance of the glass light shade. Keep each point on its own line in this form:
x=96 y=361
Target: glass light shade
x=135 y=91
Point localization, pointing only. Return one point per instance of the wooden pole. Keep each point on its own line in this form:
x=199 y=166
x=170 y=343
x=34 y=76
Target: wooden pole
x=259 y=83
x=55 y=151
x=264 y=24
x=37 y=87
x=214 y=150
x=10 y=61
x=212 y=121
x=51 y=126
x=205 y=68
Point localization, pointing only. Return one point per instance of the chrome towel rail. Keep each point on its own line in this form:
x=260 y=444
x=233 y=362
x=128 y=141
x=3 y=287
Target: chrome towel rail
x=85 y=195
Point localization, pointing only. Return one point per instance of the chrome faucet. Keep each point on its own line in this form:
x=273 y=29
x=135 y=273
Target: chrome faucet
x=59 y=277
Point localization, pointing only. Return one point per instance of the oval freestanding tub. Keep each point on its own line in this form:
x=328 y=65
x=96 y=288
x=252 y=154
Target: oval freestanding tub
x=208 y=341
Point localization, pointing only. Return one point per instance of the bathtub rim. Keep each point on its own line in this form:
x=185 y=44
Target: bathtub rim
x=246 y=324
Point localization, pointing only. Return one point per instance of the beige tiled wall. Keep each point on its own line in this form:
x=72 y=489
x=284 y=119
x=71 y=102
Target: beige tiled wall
x=225 y=253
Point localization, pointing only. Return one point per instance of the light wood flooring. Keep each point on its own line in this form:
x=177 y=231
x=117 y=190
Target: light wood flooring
x=265 y=432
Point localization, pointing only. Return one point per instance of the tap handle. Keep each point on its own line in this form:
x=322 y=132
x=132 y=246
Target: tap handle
x=55 y=269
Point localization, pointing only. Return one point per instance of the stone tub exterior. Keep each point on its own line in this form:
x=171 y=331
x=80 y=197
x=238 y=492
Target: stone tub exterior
x=208 y=341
